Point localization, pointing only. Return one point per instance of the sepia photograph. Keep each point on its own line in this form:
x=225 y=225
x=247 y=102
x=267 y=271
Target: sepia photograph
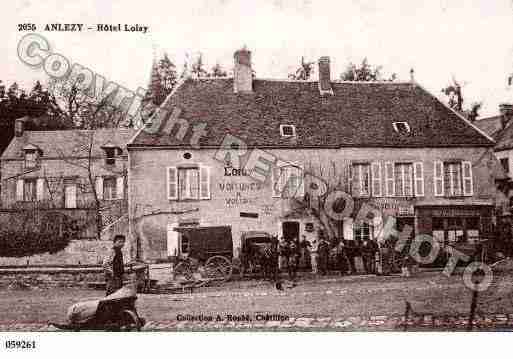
x=281 y=166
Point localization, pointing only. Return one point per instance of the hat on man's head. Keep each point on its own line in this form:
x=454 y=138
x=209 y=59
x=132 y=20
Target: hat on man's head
x=119 y=237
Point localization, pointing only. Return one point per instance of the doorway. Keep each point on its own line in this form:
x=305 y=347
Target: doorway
x=290 y=230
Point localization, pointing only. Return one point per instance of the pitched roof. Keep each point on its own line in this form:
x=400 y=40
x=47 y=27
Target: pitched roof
x=504 y=139
x=491 y=125
x=359 y=114
x=68 y=142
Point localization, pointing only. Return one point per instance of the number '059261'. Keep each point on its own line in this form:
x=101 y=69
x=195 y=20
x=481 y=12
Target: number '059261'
x=20 y=344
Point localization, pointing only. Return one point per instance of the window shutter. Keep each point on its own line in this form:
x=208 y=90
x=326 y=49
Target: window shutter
x=172 y=183
x=70 y=196
x=438 y=178
x=348 y=228
x=376 y=179
x=120 y=187
x=468 y=185
x=389 y=179
x=276 y=181
x=204 y=182
x=19 y=190
x=355 y=180
x=350 y=178
x=40 y=185
x=418 y=178
x=99 y=187
x=301 y=189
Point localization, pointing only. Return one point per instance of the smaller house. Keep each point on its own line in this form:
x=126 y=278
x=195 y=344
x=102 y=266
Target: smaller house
x=499 y=127
x=70 y=176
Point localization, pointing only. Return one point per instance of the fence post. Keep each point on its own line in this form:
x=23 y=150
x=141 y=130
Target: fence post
x=472 y=311
x=406 y=316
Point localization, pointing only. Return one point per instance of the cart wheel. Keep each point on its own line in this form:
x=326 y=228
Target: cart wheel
x=218 y=268
x=183 y=271
x=129 y=321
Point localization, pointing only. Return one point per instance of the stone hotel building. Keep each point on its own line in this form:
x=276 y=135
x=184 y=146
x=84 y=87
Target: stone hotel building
x=390 y=144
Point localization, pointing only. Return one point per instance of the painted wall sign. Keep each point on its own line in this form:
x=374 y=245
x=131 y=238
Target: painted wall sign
x=248 y=215
x=230 y=171
x=240 y=186
x=239 y=200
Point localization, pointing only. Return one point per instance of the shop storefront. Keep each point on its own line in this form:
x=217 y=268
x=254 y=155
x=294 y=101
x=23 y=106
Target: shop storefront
x=461 y=227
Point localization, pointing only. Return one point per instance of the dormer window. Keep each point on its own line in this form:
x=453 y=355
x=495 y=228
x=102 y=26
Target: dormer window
x=287 y=131
x=110 y=156
x=31 y=154
x=111 y=152
x=402 y=128
x=30 y=158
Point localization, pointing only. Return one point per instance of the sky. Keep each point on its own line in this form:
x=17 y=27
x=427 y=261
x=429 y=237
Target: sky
x=470 y=40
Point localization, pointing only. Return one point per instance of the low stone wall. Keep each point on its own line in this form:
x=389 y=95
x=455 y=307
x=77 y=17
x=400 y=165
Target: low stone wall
x=47 y=277
x=78 y=252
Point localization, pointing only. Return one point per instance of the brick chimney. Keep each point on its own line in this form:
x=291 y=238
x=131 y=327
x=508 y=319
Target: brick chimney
x=19 y=127
x=242 y=73
x=506 y=110
x=325 y=76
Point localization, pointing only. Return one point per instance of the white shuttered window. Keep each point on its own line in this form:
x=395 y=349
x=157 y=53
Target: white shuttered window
x=418 y=179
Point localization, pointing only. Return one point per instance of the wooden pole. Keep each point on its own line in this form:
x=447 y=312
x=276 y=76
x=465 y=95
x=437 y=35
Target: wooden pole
x=473 y=306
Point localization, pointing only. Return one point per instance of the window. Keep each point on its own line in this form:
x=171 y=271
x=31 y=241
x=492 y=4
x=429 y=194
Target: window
x=110 y=155
x=70 y=193
x=452 y=230
x=363 y=231
x=288 y=181
x=184 y=244
x=188 y=183
x=403 y=176
x=30 y=190
x=188 y=180
x=109 y=188
x=505 y=164
x=361 y=179
x=402 y=128
x=453 y=179
x=30 y=158
x=287 y=131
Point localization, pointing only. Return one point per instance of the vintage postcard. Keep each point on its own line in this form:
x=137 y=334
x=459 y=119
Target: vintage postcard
x=286 y=165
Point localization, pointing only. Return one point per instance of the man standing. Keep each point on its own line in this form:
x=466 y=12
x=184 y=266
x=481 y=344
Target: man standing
x=313 y=255
x=369 y=256
x=323 y=253
x=341 y=258
x=113 y=265
x=293 y=262
x=283 y=251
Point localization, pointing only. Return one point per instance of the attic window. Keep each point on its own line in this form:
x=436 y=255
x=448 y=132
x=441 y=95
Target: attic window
x=402 y=128
x=110 y=155
x=30 y=158
x=287 y=131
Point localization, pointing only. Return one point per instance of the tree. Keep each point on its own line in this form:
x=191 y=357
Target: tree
x=38 y=104
x=167 y=72
x=365 y=72
x=217 y=71
x=455 y=100
x=304 y=72
x=198 y=67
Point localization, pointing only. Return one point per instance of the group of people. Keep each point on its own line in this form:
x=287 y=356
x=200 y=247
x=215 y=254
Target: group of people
x=319 y=253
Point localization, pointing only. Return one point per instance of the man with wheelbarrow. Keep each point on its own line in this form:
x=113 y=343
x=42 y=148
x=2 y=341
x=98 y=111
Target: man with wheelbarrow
x=113 y=265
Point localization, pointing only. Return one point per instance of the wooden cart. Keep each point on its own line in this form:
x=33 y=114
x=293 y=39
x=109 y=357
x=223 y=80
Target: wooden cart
x=206 y=254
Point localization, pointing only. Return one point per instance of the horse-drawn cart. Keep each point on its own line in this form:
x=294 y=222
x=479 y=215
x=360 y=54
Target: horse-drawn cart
x=205 y=255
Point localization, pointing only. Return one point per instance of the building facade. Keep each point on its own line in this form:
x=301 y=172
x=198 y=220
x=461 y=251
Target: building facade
x=256 y=154
x=73 y=178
